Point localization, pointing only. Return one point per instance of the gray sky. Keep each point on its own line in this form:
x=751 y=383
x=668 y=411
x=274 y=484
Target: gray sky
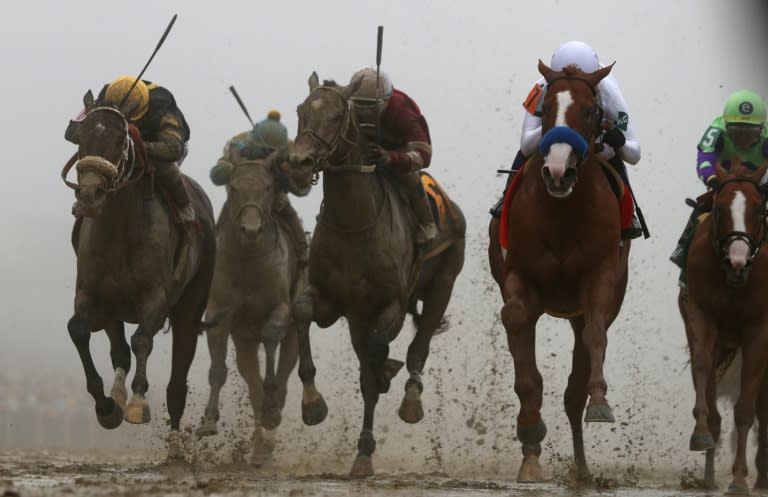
x=469 y=65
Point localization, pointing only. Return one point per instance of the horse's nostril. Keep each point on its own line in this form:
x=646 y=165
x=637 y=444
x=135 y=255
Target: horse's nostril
x=546 y=172
x=307 y=161
x=570 y=173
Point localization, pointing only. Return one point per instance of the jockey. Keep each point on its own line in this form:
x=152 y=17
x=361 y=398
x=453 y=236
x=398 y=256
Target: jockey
x=619 y=141
x=257 y=143
x=398 y=137
x=153 y=110
x=739 y=131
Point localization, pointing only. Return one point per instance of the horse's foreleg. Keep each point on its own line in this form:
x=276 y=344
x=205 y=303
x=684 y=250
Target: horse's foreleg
x=371 y=357
x=272 y=334
x=714 y=420
x=576 y=398
x=761 y=459
x=217 y=375
x=120 y=353
x=520 y=323
x=753 y=369
x=247 y=359
x=108 y=413
x=308 y=307
x=701 y=343
x=137 y=410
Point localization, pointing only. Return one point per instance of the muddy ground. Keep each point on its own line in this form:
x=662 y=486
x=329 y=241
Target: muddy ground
x=93 y=473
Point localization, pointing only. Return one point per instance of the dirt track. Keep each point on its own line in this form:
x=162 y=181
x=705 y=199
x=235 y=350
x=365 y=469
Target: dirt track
x=109 y=473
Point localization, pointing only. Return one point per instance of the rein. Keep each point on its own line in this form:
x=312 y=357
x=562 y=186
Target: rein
x=720 y=243
x=121 y=172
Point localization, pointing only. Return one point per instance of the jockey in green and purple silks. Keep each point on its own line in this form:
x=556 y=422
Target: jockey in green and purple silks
x=739 y=131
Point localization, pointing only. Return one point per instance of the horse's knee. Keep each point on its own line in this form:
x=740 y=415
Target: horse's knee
x=217 y=375
x=78 y=330
x=513 y=314
x=302 y=308
x=141 y=343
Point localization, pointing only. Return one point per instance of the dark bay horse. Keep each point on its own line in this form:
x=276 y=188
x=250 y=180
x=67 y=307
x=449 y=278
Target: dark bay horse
x=363 y=262
x=724 y=310
x=127 y=270
x=256 y=279
x=565 y=258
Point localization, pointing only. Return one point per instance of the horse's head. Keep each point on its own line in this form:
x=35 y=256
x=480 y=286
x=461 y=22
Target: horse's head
x=570 y=122
x=250 y=197
x=738 y=220
x=105 y=150
x=324 y=123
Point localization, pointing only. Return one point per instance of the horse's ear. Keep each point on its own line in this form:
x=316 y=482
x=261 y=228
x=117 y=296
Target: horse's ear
x=88 y=101
x=314 y=81
x=597 y=76
x=352 y=87
x=546 y=71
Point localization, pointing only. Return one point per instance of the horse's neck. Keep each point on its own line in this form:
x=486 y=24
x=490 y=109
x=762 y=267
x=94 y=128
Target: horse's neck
x=123 y=214
x=351 y=200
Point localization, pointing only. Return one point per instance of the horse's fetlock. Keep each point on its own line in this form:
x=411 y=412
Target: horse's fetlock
x=366 y=444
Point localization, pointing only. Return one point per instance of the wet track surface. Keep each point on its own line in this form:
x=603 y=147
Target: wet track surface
x=109 y=473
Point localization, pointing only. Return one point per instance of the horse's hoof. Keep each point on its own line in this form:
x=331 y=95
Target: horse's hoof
x=208 y=428
x=175 y=446
x=599 y=413
x=701 y=442
x=761 y=482
x=137 y=411
x=271 y=419
x=411 y=410
x=120 y=395
x=737 y=489
x=261 y=456
x=113 y=418
x=314 y=412
x=362 y=467
x=530 y=470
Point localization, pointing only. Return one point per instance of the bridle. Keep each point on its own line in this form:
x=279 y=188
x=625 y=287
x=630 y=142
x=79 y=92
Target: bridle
x=333 y=147
x=597 y=111
x=721 y=243
x=122 y=170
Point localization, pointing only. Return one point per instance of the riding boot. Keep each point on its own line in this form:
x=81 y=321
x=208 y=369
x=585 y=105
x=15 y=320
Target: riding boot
x=636 y=229
x=516 y=164
x=170 y=179
x=680 y=253
x=293 y=223
x=419 y=203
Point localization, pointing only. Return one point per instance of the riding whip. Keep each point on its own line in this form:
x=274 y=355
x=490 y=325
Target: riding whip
x=242 y=105
x=159 y=44
x=379 y=42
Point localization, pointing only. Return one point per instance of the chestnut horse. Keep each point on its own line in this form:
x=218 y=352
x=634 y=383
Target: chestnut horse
x=723 y=308
x=565 y=258
x=363 y=262
x=132 y=268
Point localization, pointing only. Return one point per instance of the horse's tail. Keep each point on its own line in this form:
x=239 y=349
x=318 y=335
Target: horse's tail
x=724 y=360
x=413 y=310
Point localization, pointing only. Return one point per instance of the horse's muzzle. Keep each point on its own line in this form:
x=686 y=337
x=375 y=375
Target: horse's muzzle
x=562 y=186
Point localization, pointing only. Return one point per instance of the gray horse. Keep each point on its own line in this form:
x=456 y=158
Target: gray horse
x=256 y=279
x=134 y=265
x=364 y=265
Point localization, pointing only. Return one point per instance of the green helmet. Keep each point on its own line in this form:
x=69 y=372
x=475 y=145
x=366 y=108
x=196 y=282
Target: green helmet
x=270 y=133
x=744 y=106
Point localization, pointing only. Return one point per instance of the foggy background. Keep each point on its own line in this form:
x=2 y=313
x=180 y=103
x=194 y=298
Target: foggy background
x=468 y=65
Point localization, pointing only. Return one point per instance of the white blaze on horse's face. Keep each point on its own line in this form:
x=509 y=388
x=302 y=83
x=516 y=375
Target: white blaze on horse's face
x=738 y=250
x=559 y=157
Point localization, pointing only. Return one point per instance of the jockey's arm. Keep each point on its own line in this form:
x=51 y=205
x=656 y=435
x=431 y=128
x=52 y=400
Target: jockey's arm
x=531 y=136
x=169 y=145
x=617 y=114
x=417 y=153
x=709 y=149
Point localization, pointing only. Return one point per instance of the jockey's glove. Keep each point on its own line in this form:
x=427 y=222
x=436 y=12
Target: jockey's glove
x=712 y=182
x=615 y=138
x=378 y=155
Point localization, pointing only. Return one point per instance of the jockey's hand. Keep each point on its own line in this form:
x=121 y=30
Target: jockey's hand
x=712 y=182
x=378 y=155
x=614 y=137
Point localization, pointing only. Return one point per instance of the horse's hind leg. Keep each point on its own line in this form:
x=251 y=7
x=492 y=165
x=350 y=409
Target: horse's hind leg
x=436 y=297
x=247 y=360
x=761 y=459
x=217 y=375
x=120 y=353
x=576 y=398
x=288 y=356
x=273 y=333
x=108 y=413
x=185 y=328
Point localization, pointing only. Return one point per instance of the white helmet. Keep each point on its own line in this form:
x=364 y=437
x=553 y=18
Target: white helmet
x=369 y=92
x=575 y=53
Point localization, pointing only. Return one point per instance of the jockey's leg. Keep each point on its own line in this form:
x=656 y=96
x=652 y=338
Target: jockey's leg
x=292 y=221
x=516 y=164
x=636 y=229
x=417 y=198
x=169 y=177
x=681 y=250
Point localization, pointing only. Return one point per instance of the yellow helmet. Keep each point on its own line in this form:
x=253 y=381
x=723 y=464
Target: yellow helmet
x=136 y=104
